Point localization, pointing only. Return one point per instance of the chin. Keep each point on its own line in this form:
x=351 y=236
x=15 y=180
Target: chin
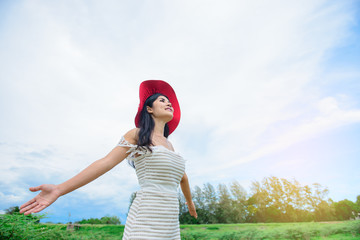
x=169 y=117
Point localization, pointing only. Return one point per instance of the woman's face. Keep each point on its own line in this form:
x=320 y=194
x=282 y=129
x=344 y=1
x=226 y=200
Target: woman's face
x=161 y=108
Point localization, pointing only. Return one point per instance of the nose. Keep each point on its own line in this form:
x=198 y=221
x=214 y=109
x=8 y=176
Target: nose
x=169 y=104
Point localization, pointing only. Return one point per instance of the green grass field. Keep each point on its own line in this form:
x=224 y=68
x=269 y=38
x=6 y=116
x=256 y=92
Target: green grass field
x=330 y=230
x=15 y=227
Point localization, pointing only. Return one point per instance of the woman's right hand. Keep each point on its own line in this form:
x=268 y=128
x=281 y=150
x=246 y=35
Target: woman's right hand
x=49 y=193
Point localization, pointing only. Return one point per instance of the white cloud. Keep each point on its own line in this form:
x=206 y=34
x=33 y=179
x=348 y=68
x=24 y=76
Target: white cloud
x=10 y=197
x=328 y=117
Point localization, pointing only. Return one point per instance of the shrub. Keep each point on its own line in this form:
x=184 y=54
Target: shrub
x=18 y=226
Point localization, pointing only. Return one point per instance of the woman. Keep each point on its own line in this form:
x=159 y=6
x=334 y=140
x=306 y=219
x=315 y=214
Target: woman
x=154 y=213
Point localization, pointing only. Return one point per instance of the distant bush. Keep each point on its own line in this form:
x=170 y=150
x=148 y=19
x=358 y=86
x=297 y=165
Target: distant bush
x=104 y=220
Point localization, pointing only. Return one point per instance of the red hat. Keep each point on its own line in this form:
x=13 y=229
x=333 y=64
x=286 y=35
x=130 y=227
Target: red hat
x=150 y=87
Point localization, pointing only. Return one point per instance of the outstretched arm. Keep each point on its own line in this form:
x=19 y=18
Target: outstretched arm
x=93 y=171
x=185 y=188
x=50 y=193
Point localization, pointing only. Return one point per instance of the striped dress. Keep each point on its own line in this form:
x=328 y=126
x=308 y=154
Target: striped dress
x=154 y=213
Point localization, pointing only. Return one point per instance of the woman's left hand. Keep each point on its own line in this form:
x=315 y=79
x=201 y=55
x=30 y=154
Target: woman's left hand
x=192 y=209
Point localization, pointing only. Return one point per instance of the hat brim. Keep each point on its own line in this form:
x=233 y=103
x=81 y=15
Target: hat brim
x=151 y=87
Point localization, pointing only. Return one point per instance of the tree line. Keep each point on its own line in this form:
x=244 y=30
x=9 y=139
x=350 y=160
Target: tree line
x=114 y=220
x=271 y=200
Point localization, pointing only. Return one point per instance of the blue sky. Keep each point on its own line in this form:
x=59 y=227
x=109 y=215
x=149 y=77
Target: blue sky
x=265 y=89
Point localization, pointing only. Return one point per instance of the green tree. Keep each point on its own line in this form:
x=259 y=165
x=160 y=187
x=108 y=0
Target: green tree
x=238 y=203
x=224 y=209
x=315 y=195
x=12 y=210
x=325 y=211
x=258 y=202
x=271 y=200
x=115 y=220
x=280 y=200
x=345 y=210
x=104 y=220
x=210 y=202
x=199 y=202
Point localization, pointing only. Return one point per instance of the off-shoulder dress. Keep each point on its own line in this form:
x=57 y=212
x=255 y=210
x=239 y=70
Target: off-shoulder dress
x=154 y=213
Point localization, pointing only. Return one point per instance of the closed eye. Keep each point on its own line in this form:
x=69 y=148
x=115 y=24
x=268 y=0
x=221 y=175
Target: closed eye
x=163 y=100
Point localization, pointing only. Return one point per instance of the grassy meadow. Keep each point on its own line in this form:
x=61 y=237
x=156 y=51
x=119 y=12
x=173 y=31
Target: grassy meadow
x=329 y=230
x=17 y=227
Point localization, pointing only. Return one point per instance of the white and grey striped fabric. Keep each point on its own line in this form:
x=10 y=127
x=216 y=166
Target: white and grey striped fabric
x=154 y=213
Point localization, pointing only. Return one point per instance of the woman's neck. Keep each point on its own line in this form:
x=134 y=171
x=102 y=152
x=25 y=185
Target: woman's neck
x=158 y=128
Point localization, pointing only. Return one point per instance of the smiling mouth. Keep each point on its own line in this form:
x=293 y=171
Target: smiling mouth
x=169 y=109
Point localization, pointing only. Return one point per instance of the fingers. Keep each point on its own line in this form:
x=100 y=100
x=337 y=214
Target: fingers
x=38 y=208
x=33 y=189
x=26 y=204
x=29 y=208
x=192 y=209
x=193 y=213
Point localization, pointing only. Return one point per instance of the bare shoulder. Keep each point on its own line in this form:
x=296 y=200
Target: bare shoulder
x=132 y=136
x=170 y=145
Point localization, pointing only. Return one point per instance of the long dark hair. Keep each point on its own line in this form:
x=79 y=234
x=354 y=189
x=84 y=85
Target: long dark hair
x=147 y=125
